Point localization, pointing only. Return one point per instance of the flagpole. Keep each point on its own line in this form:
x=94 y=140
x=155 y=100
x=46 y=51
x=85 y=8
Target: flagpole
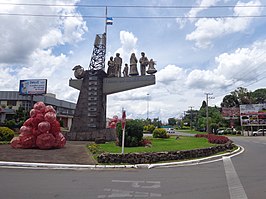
x=123 y=134
x=106 y=21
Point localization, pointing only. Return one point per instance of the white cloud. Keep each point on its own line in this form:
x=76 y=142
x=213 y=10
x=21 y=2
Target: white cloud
x=128 y=45
x=202 y=79
x=170 y=74
x=209 y=29
x=7 y=81
x=21 y=36
x=42 y=64
x=244 y=65
x=202 y=5
x=192 y=14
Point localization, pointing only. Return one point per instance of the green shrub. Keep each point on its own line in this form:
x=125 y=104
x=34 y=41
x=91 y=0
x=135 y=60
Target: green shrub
x=149 y=128
x=160 y=133
x=10 y=124
x=133 y=133
x=6 y=134
x=94 y=148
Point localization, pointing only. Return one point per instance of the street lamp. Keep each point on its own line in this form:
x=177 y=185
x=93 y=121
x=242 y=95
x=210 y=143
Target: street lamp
x=147 y=106
x=191 y=117
x=207 y=111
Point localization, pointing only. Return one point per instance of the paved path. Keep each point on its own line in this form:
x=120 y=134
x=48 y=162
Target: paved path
x=74 y=152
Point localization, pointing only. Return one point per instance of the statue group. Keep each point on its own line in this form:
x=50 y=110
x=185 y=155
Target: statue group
x=115 y=65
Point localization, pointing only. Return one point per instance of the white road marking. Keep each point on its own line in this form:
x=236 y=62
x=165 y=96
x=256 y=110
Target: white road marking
x=134 y=192
x=141 y=184
x=236 y=189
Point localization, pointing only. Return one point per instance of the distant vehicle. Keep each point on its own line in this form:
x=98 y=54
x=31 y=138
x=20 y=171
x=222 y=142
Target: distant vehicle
x=259 y=132
x=226 y=131
x=220 y=131
x=170 y=130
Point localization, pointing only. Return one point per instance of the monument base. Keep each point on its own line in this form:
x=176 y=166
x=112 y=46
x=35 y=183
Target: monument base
x=105 y=134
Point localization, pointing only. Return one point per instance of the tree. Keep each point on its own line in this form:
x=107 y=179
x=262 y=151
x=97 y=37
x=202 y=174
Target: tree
x=243 y=95
x=171 y=121
x=204 y=104
x=259 y=96
x=230 y=101
x=133 y=135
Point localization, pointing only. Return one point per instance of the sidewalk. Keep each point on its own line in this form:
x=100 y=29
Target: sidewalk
x=74 y=152
x=75 y=156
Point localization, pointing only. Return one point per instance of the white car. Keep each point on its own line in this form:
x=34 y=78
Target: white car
x=170 y=130
x=259 y=132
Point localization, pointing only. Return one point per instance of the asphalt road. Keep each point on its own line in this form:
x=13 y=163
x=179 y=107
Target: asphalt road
x=242 y=176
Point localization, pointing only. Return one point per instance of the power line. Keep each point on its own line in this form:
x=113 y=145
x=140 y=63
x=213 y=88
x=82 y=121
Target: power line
x=135 y=6
x=131 y=17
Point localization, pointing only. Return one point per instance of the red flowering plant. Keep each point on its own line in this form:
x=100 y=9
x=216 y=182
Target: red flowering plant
x=145 y=142
x=214 y=139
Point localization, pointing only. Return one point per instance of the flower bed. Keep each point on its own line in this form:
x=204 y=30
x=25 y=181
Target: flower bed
x=214 y=139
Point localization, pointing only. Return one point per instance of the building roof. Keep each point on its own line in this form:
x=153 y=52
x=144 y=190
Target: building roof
x=47 y=99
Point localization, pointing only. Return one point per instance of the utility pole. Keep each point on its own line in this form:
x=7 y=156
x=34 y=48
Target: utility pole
x=191 y=117
x=207 y=111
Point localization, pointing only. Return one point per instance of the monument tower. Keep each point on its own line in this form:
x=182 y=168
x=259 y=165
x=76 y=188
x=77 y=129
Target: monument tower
x=89 y=122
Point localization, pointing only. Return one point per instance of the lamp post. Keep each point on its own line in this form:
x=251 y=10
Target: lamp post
x=147 y=106
x=191 y=117
x=207 y=111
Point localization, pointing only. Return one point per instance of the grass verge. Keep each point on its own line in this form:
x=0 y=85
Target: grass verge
x=158 y=145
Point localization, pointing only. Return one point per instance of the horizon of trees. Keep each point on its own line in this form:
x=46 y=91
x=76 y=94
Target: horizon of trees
x=197 y=118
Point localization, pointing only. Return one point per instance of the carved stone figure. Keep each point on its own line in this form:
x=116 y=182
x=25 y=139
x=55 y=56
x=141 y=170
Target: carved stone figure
x=133 y=65
x=151 y=69
x=125 y=71
x=111 y=68
x=78 y=71
x=118 y=64
x=143 y=63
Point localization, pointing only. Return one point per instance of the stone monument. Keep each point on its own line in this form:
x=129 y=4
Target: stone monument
x=89 y=122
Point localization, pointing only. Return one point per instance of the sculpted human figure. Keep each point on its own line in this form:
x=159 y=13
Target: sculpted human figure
x=133 y=65
x=151 y=69
x=118 y=64
x=143 y=63
x=125 y=71
x=111 y=67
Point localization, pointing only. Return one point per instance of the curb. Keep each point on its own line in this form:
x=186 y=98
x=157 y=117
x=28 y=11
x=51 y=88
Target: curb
x=204 y=160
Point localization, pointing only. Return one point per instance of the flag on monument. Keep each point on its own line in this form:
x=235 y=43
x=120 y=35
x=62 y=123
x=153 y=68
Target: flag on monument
x=123 y=120
x=109 y=21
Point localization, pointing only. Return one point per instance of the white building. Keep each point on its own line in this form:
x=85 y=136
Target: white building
x=10 y=101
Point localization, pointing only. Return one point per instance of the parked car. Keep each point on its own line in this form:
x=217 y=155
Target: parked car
x=170 y=130
x=226 y=131
x=259 y=132
x=220 y=131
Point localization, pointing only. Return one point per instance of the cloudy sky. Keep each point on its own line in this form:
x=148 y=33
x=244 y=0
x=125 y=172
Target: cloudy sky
x=203 y=46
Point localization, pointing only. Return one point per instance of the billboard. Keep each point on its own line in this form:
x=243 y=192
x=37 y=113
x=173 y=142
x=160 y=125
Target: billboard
x=33 y=86
x=253 y=114
x=230 y=113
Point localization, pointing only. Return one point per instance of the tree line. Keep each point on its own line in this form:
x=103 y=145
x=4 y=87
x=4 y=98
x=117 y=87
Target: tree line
x=197 y=118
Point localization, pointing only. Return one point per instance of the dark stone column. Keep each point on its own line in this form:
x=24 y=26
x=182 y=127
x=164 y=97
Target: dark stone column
x=89 y=122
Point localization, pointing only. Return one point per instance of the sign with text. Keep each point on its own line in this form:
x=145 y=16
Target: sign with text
x=253 y=114
x=33 y=87
x=230 y=113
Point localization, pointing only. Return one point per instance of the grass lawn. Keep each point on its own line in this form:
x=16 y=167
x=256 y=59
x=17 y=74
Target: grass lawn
x=159 y=145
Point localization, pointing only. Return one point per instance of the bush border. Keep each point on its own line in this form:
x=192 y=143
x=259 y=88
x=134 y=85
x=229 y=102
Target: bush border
x=155 y=157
